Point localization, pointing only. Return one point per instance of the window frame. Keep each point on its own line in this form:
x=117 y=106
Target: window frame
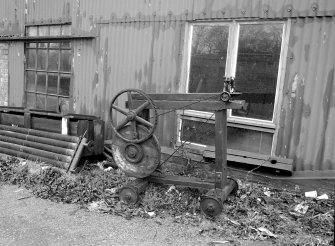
x=49 y=39
x=230 y=71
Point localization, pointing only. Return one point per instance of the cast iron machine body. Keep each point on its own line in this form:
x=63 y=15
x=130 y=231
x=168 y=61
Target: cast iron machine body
x=137 y=152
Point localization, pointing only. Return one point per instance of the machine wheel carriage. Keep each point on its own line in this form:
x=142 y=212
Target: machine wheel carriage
x=136 y=150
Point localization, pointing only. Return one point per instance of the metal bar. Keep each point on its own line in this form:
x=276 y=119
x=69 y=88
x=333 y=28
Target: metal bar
x=38 y=133
x=183 y=96
x=37 y=152
x=32 y=157
x=193 y=105
x=42 y=146
x=183 y=181
x=36 y=139
x=221 y=147
x=76 y=158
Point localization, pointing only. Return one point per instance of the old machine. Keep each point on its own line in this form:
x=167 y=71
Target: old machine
x=136 y=150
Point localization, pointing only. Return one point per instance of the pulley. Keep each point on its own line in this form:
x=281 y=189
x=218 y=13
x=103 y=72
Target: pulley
x=136 y=160
x=133 y=116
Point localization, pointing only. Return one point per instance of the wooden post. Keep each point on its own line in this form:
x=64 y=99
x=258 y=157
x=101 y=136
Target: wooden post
x=221 y=148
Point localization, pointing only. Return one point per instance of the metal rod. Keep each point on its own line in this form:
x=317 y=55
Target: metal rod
x=42 y=146
x=227 y=189
x=37 y=152
x=20 y=154
x=44 y=134
x=37 y=139
x=76 y=158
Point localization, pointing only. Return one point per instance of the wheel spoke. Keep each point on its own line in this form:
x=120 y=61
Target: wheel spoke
x=130 y=100
x=143 y=121
x=142 y=107
x=122 y=124
x=121 y=110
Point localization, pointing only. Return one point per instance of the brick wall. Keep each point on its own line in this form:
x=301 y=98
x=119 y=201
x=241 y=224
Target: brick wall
x=3 y=74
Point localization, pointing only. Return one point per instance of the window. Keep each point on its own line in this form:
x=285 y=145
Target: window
x=250 y=53
x=48 y=68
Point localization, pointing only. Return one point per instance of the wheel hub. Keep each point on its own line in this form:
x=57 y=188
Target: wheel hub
x=133 y=153
x=131 y=115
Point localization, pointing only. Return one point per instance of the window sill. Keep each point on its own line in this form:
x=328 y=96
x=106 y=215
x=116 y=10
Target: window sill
x=44 y=38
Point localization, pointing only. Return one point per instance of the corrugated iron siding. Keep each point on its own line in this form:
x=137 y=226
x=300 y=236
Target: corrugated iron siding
x=140 y=44
x=11 y=17
x=307 y=128
x=16 y=74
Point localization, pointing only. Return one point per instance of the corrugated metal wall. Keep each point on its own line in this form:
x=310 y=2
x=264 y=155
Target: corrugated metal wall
x=307 y=124
x=140 y=44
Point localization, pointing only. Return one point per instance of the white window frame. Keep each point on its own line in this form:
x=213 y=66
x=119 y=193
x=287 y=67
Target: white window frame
x=230 y=71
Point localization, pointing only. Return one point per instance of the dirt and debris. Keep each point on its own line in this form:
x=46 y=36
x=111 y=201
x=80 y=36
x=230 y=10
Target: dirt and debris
x=258 y=212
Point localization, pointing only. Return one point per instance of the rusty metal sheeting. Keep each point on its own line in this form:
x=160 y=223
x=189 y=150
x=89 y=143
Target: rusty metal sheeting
x=307 y=129
x=11 y=17
x=16 y=74
x=49 y=11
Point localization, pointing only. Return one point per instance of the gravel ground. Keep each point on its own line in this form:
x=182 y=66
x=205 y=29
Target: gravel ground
x=26 y=220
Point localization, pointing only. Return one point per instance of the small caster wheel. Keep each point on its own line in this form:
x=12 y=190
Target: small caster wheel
x=128 y=195
x=211 y=206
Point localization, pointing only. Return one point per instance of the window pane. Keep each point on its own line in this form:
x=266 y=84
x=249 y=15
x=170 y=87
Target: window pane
x=52 y=103
x=65 y=61
x=41 y=82
x=40 y=101
x=31 y=31
x=237 y=138
x=52 y=84
x=30 y=81
x=31 y=58
x=53 y=60
x=54 y=45
x=31 y=45
x=64 y=85
x=42 y=59
x=66 y=30
x=257 y=69
x=43 y=31
x=65 y=45
x=42 y=45
x=31 y=100
x=54 y=30
x=208 y=58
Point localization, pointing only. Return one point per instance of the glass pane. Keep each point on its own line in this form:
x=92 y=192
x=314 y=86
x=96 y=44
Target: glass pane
x=31 y=31
x=52 y=103
x=257 y=69
x=31 y=100
x=30 y=81
x=31 y=58
x=66 y=30
x=64 y=85
x=65 y=60
x=41 y=82
x=52 y=83
x=43 y=31
x=54 y=30
x=53 y=60
x=64 y=105
x=237 y=138
x=31 y=45
x=54 y=45
x=42 y=45
x=208 y=58
x=65 y=45
x=40 y=101
x=42 y=59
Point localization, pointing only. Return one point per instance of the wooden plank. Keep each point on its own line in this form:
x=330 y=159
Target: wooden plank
x=183 y=181
x=193 y=105
x=221 y=147
x=45 y=124
x=252 y=155
x=265 y=162
x=12 y=119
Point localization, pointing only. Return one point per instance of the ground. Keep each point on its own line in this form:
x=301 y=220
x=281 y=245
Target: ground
x=45 y=206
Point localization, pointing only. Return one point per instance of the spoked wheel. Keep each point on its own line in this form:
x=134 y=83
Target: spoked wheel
x=132 y=115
